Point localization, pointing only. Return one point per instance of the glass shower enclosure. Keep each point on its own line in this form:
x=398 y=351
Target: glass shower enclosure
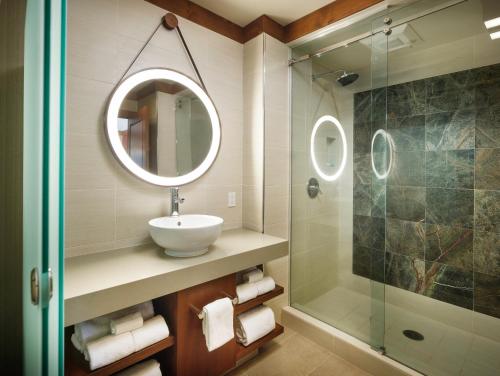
x=395 y=185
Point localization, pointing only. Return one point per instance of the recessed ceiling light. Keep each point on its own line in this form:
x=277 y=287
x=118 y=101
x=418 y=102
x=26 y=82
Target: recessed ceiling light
x=492 y=23
x=495 y=35
x=491 y=13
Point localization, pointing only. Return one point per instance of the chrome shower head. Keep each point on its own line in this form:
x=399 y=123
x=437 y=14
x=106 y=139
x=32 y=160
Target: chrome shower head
x=347 y=78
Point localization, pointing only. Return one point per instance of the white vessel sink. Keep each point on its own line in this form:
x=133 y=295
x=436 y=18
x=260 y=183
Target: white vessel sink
x=185 y=235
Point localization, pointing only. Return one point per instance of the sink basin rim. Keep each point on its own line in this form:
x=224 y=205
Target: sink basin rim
x=163 y=222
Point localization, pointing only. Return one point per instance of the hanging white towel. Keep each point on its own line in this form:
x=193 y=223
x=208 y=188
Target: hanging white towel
x=126 y=323
x=265 y=285
x=246 y=292
x=152 y=331
x=109 y=349
x=218 y=323
x=254 y=324
x=253 y=275
x=148 y=368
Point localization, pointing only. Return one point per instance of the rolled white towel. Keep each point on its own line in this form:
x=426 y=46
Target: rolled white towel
x=218 y=323
x=146 y=309
x=89 y=331
x=265 y=285
x=253 y=275
x=100 y=326
x=147 y=368
x=126 y=323
x=254 y=324
x=152 y=331
x=246 y=291
x=109 y=349
x=76 y=343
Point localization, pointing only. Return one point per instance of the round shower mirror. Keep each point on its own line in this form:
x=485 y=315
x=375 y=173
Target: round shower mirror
x=328 y=148
x=382 y=150
x=163 y=127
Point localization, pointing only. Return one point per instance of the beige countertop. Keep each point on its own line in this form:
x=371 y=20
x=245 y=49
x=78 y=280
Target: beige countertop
x=100 y=283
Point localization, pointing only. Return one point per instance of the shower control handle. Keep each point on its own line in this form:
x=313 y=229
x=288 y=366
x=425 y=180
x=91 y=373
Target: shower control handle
x=313 y=188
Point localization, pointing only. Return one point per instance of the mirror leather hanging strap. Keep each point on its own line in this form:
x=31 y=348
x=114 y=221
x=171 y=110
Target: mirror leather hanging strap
x=170 y=22
x=190 y=56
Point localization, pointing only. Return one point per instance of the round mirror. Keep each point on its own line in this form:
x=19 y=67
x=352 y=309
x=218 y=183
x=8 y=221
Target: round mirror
x=328 y=148
x=382 y=150
x=163 y=127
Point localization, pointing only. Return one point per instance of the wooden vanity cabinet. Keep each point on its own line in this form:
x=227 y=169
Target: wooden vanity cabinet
x=190 y=355
x=184 y=352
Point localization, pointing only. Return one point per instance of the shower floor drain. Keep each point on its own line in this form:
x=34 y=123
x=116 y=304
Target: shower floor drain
x=412 y=334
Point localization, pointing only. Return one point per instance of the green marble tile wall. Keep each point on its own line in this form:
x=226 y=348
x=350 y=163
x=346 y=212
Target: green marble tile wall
x=432 y=226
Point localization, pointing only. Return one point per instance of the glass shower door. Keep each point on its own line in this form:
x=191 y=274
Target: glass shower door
x=337 y=227
x=401 y=249
x=442 y=311
x=43 y=167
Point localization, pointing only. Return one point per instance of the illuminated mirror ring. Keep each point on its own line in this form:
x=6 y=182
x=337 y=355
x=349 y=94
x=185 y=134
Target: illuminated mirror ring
x=113 y=135
x=390 y=142
x=322 y=120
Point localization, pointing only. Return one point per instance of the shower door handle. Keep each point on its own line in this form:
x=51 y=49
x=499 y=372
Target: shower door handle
x=35 y=286
x=50 y=277
x=36 y=282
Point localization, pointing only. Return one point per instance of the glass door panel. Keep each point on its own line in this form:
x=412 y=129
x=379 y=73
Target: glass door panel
x=43 y=253
x=336 y=244
x=379 y=163
x=441 y=296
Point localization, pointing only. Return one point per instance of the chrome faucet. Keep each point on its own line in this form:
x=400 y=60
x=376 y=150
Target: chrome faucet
x=175 y=201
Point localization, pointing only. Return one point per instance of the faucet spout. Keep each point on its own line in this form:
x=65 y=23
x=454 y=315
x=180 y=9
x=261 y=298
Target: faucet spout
x=175 y=201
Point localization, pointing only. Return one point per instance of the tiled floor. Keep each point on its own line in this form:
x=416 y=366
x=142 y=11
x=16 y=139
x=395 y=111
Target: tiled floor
x=294 y=355
x=445 y=351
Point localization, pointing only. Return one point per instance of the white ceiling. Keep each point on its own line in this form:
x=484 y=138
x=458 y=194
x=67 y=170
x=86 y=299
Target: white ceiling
x=242 y=12
x=453 y=39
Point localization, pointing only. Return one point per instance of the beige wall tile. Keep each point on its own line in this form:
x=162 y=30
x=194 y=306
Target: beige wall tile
x=86 y=104
x=253 y=133
x=92 y=166
x=281 y=230
x=89 y=216
x=134 y=208
x=276 y=158
x=252 y=207
x=85 y=12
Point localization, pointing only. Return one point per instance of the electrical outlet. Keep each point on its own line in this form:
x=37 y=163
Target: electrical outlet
x=231 y=199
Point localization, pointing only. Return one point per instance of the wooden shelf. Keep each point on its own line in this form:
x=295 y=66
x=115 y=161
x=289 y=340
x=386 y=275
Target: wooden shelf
x=243 y=307
x=243 y=351
x=77 y=366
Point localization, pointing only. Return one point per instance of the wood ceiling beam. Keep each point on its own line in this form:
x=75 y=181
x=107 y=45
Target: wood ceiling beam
x=325 y=16
x=311 y=22
x=263 y=24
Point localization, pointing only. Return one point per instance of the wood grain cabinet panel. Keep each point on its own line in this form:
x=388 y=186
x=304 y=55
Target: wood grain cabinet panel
x=193 y=358
x=185 y=353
